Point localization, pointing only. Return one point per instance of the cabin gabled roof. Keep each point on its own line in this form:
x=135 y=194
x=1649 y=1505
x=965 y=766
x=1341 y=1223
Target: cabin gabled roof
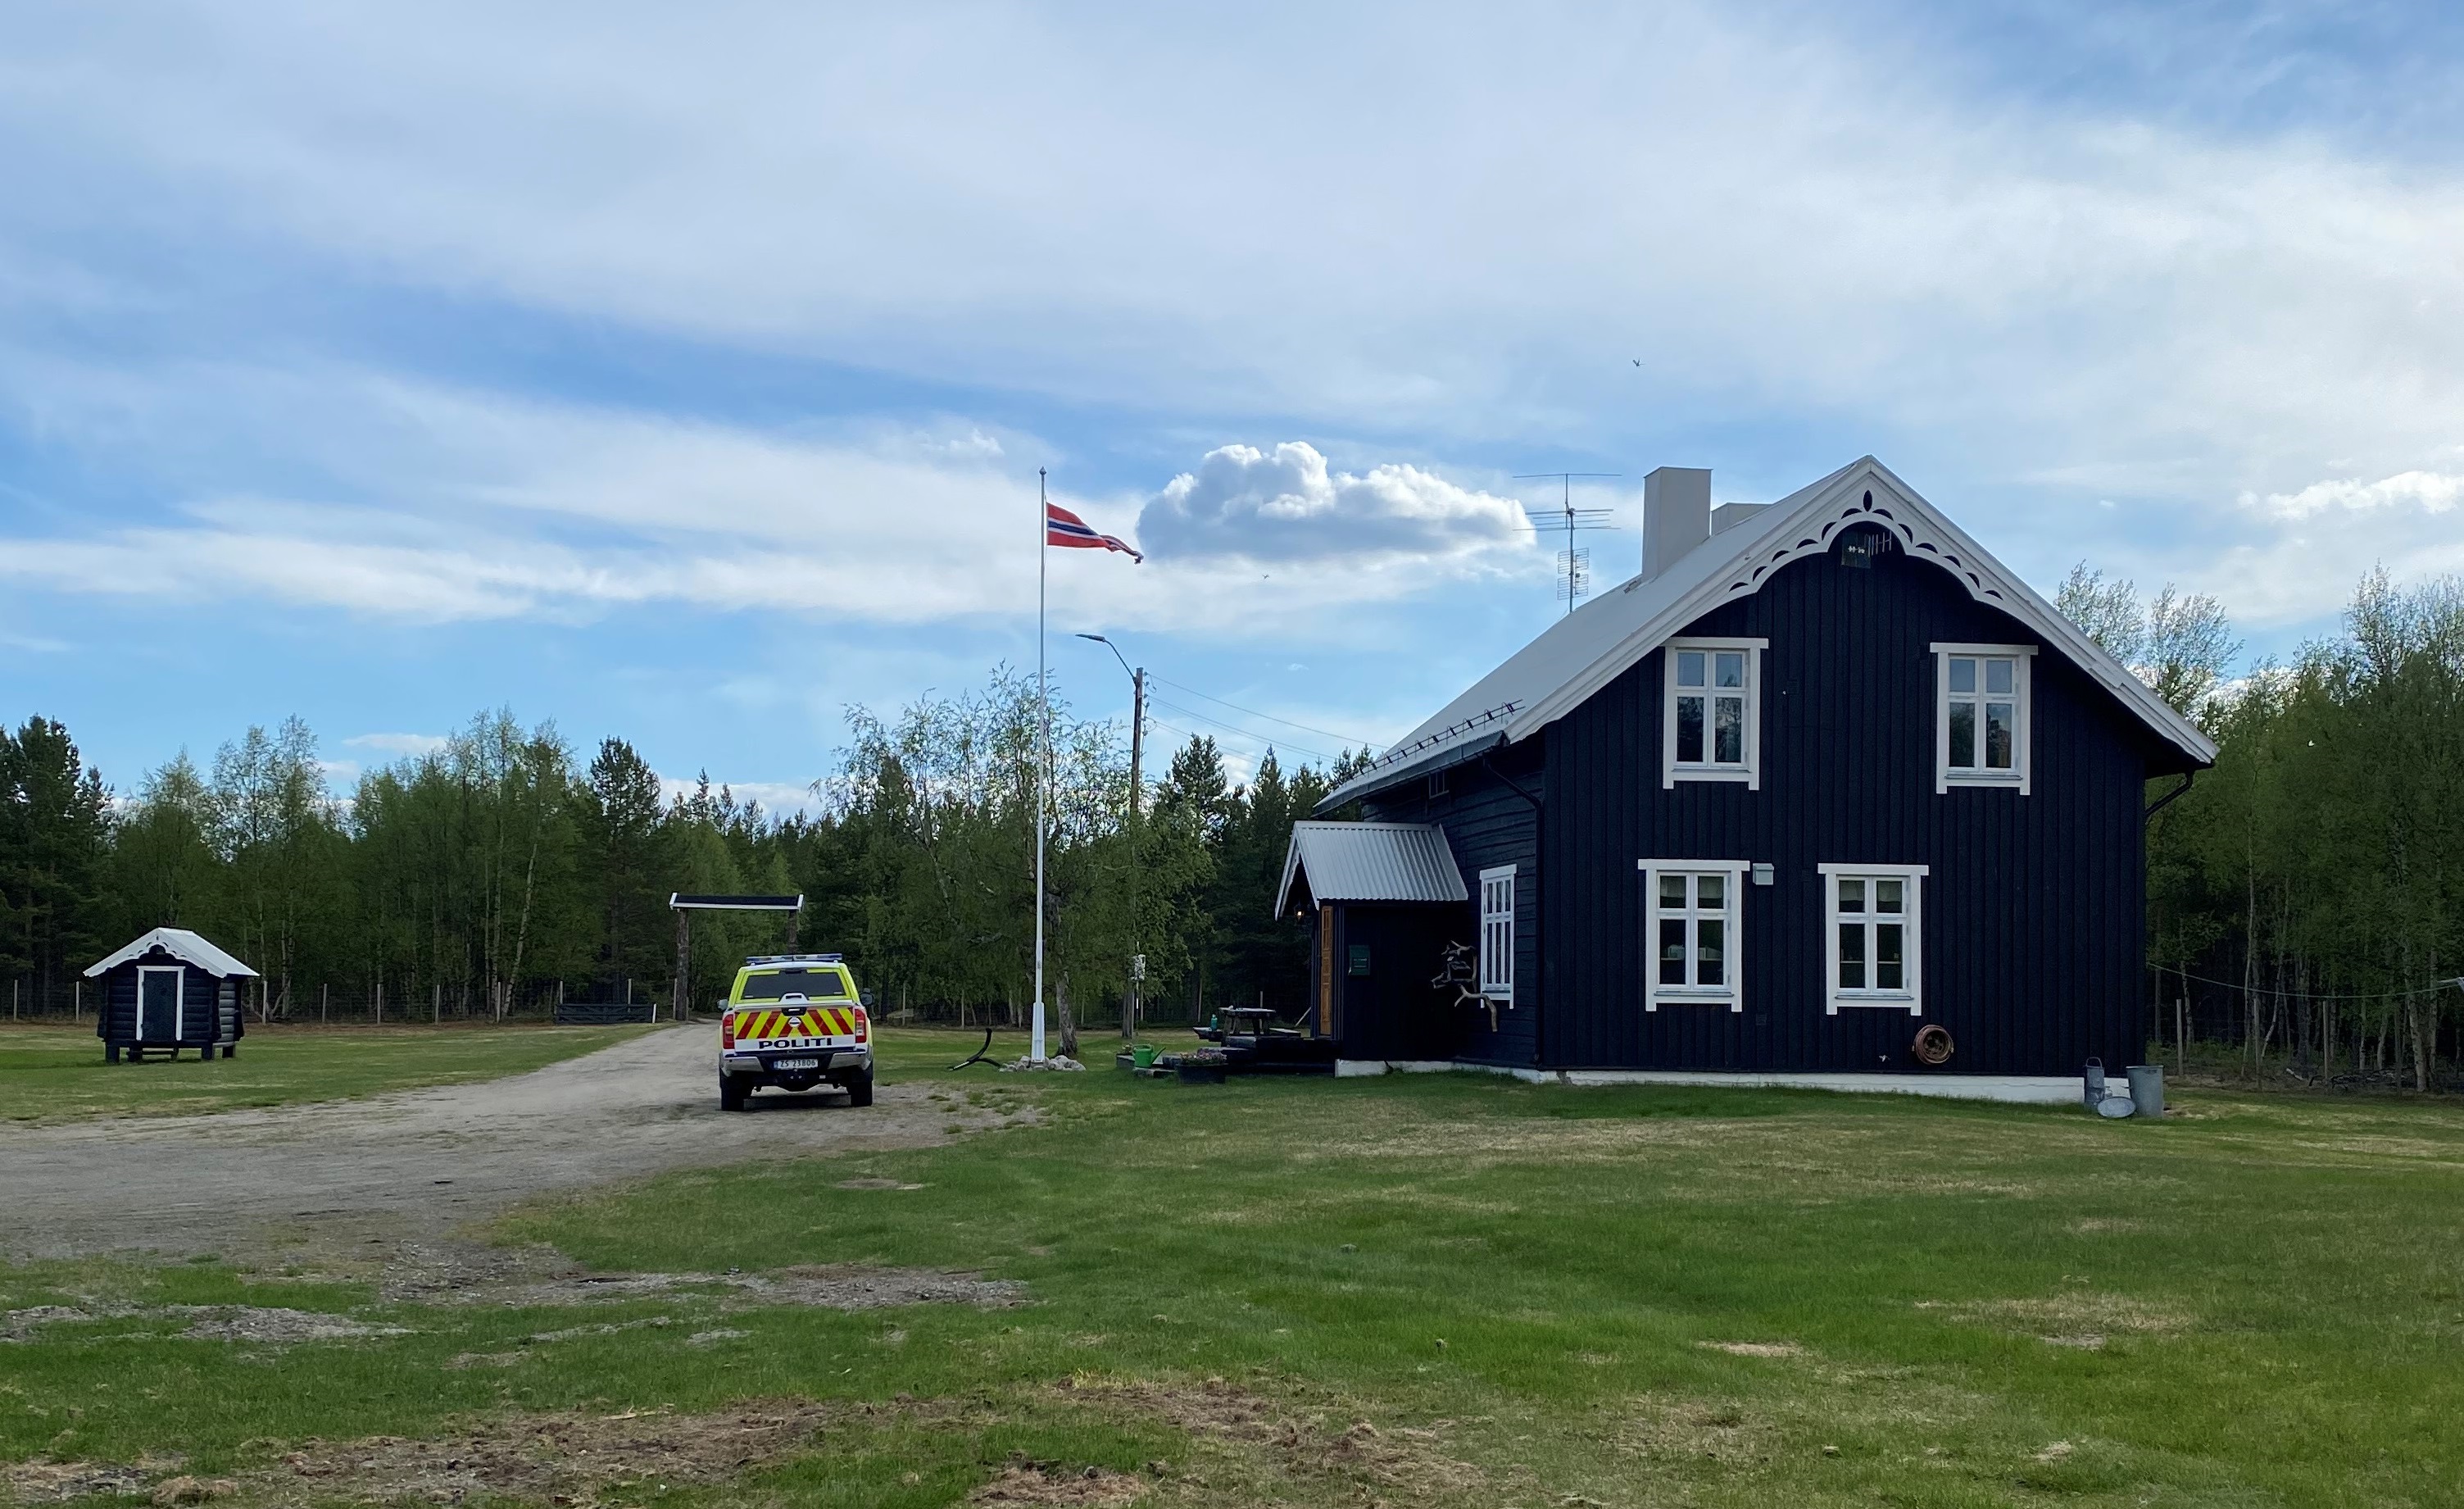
x=1371 y=863
x=1590 y=647
x=181 y=945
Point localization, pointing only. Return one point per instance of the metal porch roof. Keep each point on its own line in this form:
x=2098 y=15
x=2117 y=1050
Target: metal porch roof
x=1371 y=863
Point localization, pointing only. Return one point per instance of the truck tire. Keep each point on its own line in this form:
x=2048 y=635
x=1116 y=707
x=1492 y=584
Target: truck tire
x=731 y=1095
x=860 y=1091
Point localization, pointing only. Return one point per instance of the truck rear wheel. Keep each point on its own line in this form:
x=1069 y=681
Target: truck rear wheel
x=731 y=1095
x=860 y=1091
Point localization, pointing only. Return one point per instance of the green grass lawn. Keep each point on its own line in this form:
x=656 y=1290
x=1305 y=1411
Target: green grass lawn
x=54 y=1074
x=1530 y=1296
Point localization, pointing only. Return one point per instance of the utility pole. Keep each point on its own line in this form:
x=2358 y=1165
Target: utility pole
x=1138 y=732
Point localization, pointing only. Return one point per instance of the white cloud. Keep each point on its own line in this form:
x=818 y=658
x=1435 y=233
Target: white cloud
x=2301 y=553
x=451 y=504
x=2409 y=492
x=778 y=798
x=398 y=744
x=1039 y=202
x=1285 y=505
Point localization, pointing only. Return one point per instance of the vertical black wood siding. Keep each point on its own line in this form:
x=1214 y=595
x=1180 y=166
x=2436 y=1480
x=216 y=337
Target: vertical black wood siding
x=1486 y=825
x=2032 y=920
x=1392 y=1012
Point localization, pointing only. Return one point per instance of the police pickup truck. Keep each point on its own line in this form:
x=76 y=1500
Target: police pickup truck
x=794 y=1021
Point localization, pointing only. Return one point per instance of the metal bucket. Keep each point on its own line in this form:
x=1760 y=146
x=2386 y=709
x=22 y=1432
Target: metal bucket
x=2146 y=1088
x=2094 y=1079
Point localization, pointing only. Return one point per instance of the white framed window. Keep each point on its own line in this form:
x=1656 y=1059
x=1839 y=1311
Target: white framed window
x=1712 y=723
x=1694 y=932
x=1982 y=714
x=1497 y=932
x=1875 y=951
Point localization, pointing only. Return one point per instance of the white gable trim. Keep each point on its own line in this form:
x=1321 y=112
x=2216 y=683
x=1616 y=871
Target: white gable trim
x=181 y=945
x=1867 y=492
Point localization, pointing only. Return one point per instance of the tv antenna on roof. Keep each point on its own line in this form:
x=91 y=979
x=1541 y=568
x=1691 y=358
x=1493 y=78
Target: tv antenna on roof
x=1573 y=563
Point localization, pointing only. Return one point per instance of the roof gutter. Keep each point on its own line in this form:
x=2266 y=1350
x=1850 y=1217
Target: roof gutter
x=1371 y=781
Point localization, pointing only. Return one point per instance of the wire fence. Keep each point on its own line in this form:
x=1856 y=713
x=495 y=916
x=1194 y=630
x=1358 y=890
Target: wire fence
x=361 y=1003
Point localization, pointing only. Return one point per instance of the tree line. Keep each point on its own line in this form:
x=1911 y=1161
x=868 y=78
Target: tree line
x=502 y=871
x=2305 y=896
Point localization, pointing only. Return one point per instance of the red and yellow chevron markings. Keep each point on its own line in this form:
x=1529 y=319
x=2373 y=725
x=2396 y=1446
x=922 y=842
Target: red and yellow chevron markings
x=812 y=1021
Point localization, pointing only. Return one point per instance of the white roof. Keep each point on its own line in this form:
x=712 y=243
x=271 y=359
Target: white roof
x=1590 y=647
x=1371 y=863
x=181 y=945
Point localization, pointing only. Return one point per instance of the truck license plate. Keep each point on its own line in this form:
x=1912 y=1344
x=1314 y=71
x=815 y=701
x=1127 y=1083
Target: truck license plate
x=794 y=1063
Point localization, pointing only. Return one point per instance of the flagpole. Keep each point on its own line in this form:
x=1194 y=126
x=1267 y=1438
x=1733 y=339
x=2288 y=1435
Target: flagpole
x=1043 y=754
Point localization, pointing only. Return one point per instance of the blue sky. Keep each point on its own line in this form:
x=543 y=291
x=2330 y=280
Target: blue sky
x=683 y=374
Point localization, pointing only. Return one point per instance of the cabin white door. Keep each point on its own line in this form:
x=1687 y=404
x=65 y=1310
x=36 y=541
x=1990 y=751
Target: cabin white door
x=158 y=1004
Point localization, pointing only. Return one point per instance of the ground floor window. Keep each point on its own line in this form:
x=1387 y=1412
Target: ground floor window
x=1874 y=916
x=1497 y=932
x=1693 y=932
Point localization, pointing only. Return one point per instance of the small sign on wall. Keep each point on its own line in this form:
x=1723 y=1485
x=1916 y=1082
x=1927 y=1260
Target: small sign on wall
x=1357 y=959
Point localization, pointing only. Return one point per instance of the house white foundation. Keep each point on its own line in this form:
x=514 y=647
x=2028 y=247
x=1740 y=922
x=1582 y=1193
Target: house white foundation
x=2027 y=1089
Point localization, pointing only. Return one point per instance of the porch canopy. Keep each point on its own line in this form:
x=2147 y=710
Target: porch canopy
x=1369 y=862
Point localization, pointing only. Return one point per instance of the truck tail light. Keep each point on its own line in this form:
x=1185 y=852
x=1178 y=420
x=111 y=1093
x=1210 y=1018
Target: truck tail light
x=863 y=1025
x=727 y=1031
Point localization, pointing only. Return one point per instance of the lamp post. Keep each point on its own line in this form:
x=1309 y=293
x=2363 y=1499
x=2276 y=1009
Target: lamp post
x=1138 y=746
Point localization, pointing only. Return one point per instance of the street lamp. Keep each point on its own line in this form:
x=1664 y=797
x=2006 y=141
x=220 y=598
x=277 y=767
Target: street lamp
x=1137 y=748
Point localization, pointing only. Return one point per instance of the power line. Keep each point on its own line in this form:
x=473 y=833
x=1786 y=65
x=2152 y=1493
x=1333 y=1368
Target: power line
x=2307 y=995
x=1189 y=734
x=1234 y=728
x=1268 y=717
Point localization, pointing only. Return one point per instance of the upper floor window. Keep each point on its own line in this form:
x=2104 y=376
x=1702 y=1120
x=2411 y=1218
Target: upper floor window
x=1713 y=725
x=1694 y=932
x=1982 y=719
x=1497 y=932
x=1874 y=953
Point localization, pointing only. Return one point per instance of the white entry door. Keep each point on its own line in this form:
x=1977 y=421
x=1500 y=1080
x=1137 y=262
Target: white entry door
x=158 y=1005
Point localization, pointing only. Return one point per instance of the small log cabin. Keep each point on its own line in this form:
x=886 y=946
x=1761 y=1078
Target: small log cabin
x=167 y=990
x=1824 y=796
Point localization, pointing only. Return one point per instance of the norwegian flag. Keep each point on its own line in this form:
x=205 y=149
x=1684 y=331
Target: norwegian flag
x=1062 y=527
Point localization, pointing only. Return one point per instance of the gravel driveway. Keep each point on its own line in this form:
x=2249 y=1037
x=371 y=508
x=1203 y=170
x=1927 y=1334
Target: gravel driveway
x=406 y=1167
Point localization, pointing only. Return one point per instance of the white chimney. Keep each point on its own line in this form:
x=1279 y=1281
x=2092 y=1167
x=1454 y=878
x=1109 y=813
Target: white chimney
x=1676 y=516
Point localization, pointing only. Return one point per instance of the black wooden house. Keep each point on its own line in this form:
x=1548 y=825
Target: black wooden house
x=167 y=990
x=1825 y=795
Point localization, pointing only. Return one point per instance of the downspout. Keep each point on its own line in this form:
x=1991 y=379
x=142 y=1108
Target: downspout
x=1540 y=953
x=2166 y=800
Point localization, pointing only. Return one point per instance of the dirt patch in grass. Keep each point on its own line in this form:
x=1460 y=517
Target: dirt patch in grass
x=46 y=1483
x=1695 y=1430
x=844 y=1286
x=870 y=1183
x=274 y=1327
x=568 y=1458
x=1049 y=1483
x=2069 y=1319
x=1754 y=1348
x=1288 y=1443
x=259 y=1325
